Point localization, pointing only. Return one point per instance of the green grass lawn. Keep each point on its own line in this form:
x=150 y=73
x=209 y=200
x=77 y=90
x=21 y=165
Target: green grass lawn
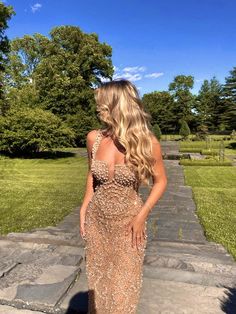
x=201 y=145
x=214 y=190
x=211 y=161
x=39 y=192
x=174 y=137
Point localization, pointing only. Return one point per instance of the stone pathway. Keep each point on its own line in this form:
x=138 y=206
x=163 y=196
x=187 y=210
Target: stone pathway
x=43 y=271
x=183 y=272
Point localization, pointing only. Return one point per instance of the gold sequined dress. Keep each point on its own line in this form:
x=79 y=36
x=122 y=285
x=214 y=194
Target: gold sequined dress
x=113 y=266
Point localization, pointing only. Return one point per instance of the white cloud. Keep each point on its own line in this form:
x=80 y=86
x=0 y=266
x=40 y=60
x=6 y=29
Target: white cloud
x=115 y=68
x=35 y=7
x=129 y=76
x=129 y=73
x=134 y=73
x=134 y=69
x=154 y=75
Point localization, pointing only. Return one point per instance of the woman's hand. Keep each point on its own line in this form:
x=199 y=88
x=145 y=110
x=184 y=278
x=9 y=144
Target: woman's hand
x=82 y=228
x=137 y=226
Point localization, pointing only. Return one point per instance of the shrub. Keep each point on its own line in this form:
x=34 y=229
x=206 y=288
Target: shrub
x=232 y=145
x=190 y=150
x=212 y=152
x=202 y=132
x=233 y=135
x=28 y=130
x=157 y=131
x=205 y=162
x=184 y=130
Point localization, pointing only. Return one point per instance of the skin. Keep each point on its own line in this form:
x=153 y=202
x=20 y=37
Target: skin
x=137 y=224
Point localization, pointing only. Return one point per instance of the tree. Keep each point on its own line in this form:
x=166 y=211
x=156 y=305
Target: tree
x=6 y=13
x=157 y=131
x=208 y=104
x=61 y=70
x=29 y=130
x=184 y=130
x=161 y=107
x=82 y=123
x=229 y=100
x=26 y=53
x=183 y=98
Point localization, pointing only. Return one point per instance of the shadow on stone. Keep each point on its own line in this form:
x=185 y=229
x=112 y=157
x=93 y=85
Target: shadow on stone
x=228 y=305
x=79 y=303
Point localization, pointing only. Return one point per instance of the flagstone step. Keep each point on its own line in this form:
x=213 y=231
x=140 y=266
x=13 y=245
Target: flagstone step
x=178 y=275
x=37 y=276
x=209 y=258
x=171 y=297
x=53 y=236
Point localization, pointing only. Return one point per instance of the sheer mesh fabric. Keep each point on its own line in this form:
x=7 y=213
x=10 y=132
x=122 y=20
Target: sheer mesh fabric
x=113 y=266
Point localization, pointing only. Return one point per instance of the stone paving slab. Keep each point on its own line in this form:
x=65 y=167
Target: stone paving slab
x=179 y=275
x=171 y=297
x=5 y=309
x=174 y=217
x=160 y=295
x=199 y=257
x=37 y=276
x=59 y=237
x=77 y=298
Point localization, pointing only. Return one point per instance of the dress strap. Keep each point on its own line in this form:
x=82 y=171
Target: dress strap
x=96 y=143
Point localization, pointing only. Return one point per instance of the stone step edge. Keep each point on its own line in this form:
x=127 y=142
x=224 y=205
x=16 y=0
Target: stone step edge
x=20 y=305
x=177 y=275
x=42 y=240
x=41 y=246
x=202 y=267
x=222 y=256
x=208 y=244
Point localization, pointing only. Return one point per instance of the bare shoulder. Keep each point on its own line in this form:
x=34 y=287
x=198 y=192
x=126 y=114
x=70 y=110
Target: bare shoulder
x=91 y=136
x=90 y=139
x=156 y=147
x=154 y=139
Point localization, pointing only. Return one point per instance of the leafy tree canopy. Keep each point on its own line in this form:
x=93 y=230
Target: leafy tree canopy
x=63 y=68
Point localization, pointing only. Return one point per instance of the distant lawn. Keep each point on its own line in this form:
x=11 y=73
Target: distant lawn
x=212 y=161
x=177 y=137
x=198 y=146
x=39 y=192
x=214 y=190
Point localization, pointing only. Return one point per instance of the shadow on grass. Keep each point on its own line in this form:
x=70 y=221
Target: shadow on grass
x=40 y=155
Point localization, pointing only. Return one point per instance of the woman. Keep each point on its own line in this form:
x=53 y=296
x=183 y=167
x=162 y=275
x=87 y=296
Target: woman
x=121 y=156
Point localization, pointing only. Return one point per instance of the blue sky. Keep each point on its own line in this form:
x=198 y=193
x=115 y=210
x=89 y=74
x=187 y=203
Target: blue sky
x=152 y=40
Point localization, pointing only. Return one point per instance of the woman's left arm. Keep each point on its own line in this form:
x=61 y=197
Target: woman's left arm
x=159 y=180
x=137 y=224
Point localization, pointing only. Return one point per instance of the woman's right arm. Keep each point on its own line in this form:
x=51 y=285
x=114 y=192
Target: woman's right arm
x=89 y=183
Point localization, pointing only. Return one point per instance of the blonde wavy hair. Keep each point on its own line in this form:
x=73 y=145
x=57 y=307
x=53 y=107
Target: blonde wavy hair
x=119 y=106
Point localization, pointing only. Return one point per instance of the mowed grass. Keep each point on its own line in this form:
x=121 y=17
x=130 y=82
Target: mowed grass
x=214 y=190
x=198 y=146
x=39 y=192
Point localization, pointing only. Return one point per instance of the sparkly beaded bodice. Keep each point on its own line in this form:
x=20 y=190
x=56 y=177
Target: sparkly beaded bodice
x=122 y=174
x=113 y=266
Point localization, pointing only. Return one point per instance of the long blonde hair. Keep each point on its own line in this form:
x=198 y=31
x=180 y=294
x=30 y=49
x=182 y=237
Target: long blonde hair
x=121 y=109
